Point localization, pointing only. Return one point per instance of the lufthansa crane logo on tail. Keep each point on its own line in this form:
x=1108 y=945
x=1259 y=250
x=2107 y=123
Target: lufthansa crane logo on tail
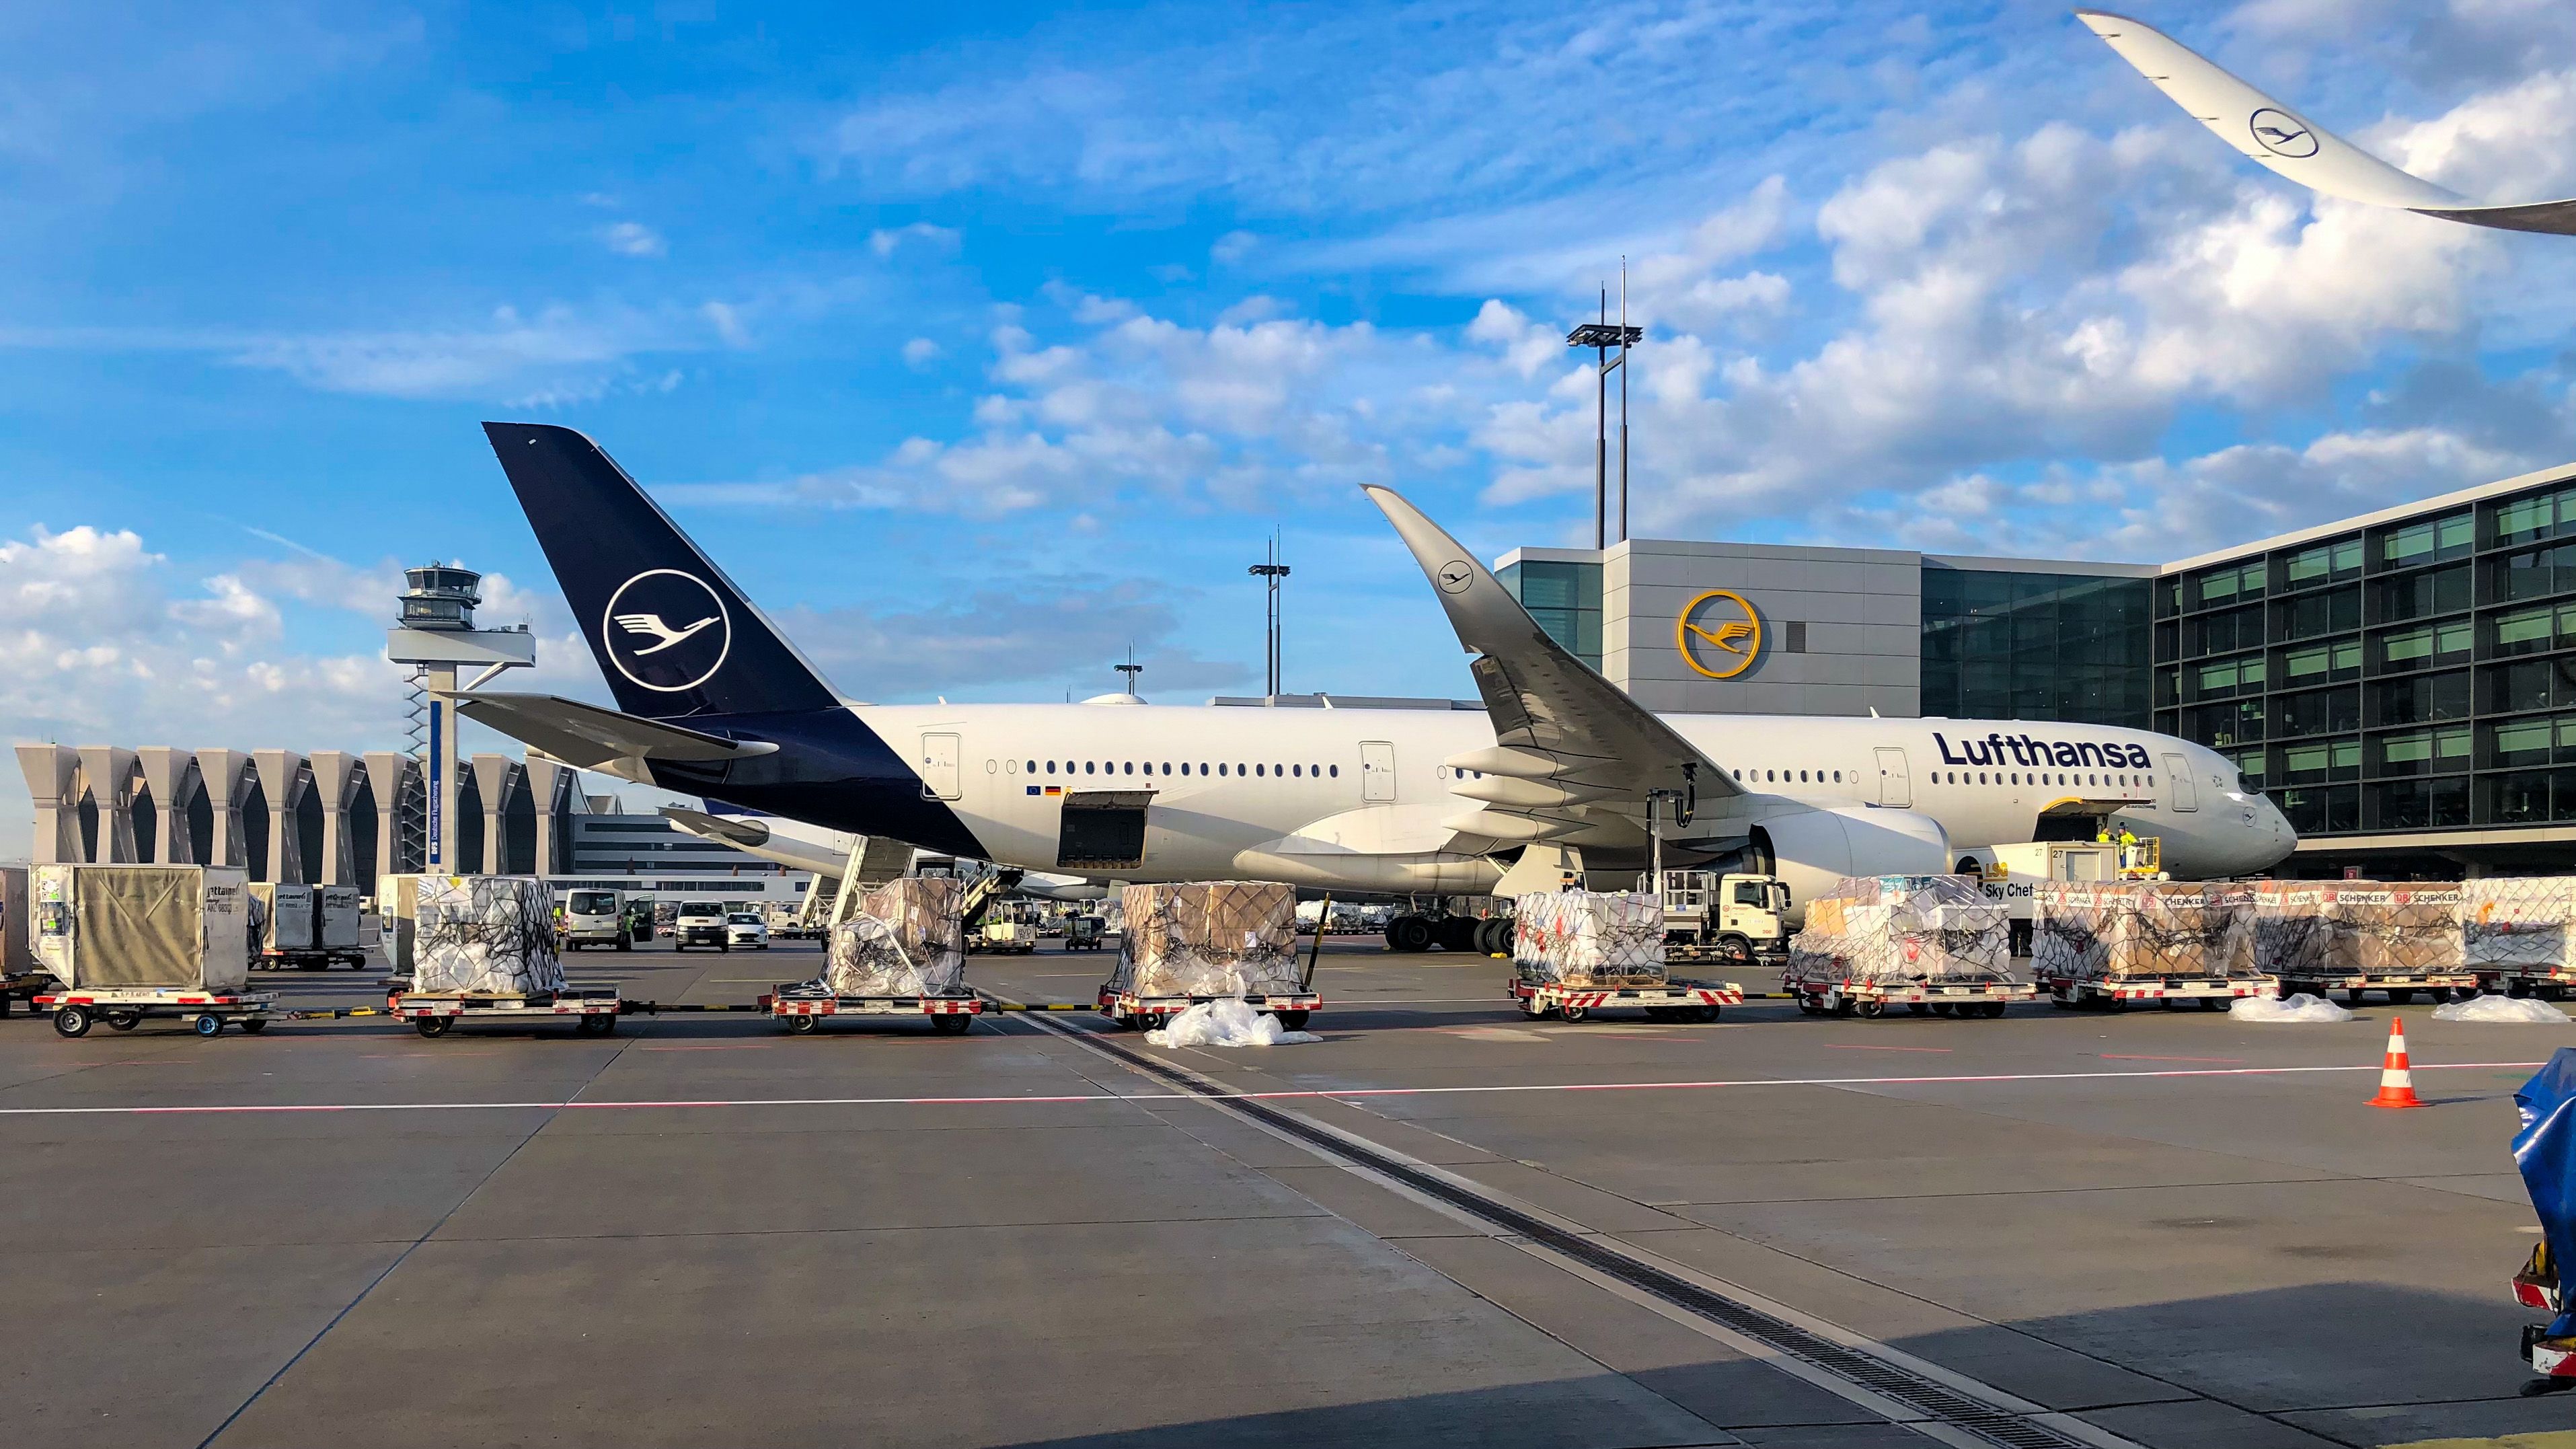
x=1455 y=576
x=666 y=630
x=2282 y=134
x=1718 y=634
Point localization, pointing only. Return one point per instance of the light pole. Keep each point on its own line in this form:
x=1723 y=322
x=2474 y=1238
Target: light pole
x=1270 y=573
x=1602 y=337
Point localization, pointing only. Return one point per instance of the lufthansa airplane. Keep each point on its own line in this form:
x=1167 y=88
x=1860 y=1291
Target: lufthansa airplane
x=1560 y=775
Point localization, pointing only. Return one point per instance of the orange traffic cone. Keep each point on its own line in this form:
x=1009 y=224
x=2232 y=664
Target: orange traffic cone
x=2396 y=1082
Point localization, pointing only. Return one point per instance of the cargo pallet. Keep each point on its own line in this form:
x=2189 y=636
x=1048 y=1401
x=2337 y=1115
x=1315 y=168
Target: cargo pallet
x=1663 y=1001
x=594 y=1009
x=2214 y=993
x=25 y=986
x=318 y=958
x=1870 y=999
x=2401 y=986
x=1142 y=1013
x=1696 y=954
x=207 y=1012
x=802 y=1012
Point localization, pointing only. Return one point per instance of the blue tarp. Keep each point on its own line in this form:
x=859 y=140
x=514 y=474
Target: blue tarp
x=2545 y=1150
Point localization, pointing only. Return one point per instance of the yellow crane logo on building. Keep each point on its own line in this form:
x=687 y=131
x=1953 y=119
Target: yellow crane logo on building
x=1713 y=643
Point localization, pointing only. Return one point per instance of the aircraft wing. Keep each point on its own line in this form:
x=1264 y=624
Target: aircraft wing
x=600 y=739
x=2280 y=139
x=1569 y=742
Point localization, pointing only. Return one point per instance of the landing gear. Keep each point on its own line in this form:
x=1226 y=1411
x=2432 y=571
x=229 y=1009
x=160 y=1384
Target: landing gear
x=1410 y=934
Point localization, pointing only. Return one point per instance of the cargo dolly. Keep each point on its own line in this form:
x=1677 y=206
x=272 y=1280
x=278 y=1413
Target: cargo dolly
x=1673 y=1000
x=2401 y=986
x=1144 y=1013
x=315 y=958
x=802 y=1009
x=2118 y=993
x=206 y=1012
x=2554 y=1359
x=1988 y=997
x=26 y=986
x=2547 y=983
x=593 y=1009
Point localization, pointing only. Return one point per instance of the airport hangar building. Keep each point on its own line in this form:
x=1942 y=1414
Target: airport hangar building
x=2402 y=684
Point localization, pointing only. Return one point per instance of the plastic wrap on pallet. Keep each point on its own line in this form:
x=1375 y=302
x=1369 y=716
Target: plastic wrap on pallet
x=484 y=935
x=1902 y=928
x=1588 y=938
x=2313 y=928
x=2518 y=920
x=906 y=938
x=1209 y=938
x=2115 y=930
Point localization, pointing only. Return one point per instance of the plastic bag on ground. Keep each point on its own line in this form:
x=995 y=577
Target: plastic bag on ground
x=2501 y=1008
x=1225 y=1022
x=2299 y=1010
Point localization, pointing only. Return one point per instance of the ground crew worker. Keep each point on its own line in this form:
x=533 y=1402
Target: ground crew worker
x=2128 y=849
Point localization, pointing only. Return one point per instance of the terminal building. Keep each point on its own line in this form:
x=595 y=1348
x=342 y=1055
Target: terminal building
x=2403 y=683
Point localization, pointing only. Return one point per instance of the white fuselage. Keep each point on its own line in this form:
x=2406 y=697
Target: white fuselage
x=1219 y=793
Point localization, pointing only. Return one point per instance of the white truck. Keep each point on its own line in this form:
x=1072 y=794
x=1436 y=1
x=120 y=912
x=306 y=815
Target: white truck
x=1730 y=917
x=2007 y=879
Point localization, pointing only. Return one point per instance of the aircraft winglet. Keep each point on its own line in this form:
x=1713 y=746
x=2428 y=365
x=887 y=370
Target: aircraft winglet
x=2281 y=140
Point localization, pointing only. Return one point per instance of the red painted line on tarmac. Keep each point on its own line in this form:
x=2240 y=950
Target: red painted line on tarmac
x=1334 y=1094
x=1837 y=1047
x=744 y=1046
x=2115 y=1057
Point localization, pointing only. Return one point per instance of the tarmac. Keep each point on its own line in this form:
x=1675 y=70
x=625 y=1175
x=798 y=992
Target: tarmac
x=1442 y=1224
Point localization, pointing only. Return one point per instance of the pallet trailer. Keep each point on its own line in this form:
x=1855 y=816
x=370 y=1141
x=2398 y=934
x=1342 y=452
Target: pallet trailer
x=318 y=958
x=2545 y=983
x=592 y=1009
x=206 y=1012
x=25 y=987
x=1668 y=1001
x=1144 y=1013
x=2401 y=986
x=803 y=1011
x=1871 y=999
x=2214 y=993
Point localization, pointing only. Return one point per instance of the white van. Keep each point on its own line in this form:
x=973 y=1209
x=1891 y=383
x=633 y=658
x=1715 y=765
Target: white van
x=595 y=918
x=700 y=923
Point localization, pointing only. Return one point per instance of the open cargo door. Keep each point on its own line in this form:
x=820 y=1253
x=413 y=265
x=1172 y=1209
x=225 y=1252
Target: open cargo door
x=1103 y=830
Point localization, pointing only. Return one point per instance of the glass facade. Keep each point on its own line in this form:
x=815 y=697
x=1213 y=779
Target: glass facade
x=2010 y=645
x=1564 y=599
x=2420 y=675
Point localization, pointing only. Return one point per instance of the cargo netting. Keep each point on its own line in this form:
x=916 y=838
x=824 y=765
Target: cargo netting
x=2112 y=931
x=1588 y=938
x=484 y=935
x=2312 y=928
x=907 y=938
x=1902 y=929
x=2518 y=920
x=1208 y=938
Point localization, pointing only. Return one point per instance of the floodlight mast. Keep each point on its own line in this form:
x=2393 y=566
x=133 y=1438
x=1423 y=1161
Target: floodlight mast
x=1270 y=573
x=1601 y=337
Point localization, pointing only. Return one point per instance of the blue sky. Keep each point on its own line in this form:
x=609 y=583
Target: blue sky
x=984 y=344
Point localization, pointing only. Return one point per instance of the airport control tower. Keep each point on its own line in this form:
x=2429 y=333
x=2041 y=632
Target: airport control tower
x=436 y=635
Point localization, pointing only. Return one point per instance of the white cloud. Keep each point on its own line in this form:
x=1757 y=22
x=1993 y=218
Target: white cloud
x=633 y=239
x=886 y=243
x=920 y=352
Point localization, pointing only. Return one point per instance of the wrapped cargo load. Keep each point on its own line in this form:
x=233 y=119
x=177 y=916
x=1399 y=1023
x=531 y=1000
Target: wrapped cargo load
x=2116 y=930
x=282 y=916
x=1589 y=938
x=1889 y=929
x=905 y=938
x=2311 y=928
x=2518 y=920
x=484 y=935
x=1208 y=938
x=143 y=927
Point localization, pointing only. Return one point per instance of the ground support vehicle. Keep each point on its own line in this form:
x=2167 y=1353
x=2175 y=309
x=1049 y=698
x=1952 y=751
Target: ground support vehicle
x=26 y=986
x=1674 y=1000
x=1144 y=1013
x=801 y=1008
x=1085 y=933
x=2214 y=993
x=206 y=1012
x=1713 y=917
x=313 y=958
x=2401 y=986
x=593 y=1010
x=1003 y=938
x=1951 y=996
x=2547 y=983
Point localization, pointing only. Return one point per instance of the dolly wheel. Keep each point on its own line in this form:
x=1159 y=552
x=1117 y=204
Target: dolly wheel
x=1704 y=1013
x=1870 y=1008
x=124 y=1020
x=952 y=1023
x=1574 y=1013
x=1993 y=1009
x=254 y=1024
x=1291 y=1020
x=433 y=1025
x=207 y=1024
x=72 y=1021
x=803 y=1025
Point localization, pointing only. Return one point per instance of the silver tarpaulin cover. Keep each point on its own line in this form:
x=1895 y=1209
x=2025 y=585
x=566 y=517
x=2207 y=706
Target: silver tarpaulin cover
x=1209 y=938
x=908 y=938
x=484 y=935
x=1587 y=938
x=1891 y=929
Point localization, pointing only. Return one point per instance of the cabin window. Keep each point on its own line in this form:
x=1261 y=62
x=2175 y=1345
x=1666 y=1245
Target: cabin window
x=1261 y=770
x=1220 y=769
x=1337 y=771
x=1050 y=767
x=1086 y=767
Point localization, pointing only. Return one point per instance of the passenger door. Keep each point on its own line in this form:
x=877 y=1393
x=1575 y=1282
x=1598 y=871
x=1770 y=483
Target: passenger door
x=1377 y=772
x=1895 y=786
x=940 y=777
x=2186 y=793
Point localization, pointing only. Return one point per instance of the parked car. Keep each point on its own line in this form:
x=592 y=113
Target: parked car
x=700 y=923
x=746 y=929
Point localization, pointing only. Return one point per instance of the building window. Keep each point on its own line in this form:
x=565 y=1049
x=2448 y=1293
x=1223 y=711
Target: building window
x=2533 y=630
x=2009 y=645
x=1564 y=599
x=2323 y=563
x=2421 y=752
x=2526 y=520
x=2320 y=760
x=2321 y=663
x=2430 y=541
x=1795 y=640
x=2416 y=804
x=2428 y=644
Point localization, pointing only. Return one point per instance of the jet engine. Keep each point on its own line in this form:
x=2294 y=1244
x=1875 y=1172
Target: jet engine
x=1810 y=850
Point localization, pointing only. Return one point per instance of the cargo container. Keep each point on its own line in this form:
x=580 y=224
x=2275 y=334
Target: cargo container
x=129 y=942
